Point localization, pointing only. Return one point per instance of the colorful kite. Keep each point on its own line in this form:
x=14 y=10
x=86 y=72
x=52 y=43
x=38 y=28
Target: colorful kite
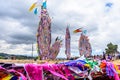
x=84 y=46
x=45 y=50
x=109 y=4
x=55 y=48
x=77 y=30
x=67 y=43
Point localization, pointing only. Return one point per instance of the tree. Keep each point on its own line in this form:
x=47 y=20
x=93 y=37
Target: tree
x=111 y=49
x=1 y=57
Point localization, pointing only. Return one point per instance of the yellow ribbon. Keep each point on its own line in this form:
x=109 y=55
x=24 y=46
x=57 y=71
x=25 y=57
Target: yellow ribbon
x=7 y=77
x=32 y=7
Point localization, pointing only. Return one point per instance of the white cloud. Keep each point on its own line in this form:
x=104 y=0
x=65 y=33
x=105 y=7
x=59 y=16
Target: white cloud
x=101 y=22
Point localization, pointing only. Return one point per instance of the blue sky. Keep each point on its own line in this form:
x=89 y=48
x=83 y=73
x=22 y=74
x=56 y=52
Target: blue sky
x=101 y=18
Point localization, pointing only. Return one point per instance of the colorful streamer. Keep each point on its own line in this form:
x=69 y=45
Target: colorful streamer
x=33 y=6
x=35 y=11
x=79 y=69
x=44 y=5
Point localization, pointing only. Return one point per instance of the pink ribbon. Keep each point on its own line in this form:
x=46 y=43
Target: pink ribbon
x=34 y=72
x=47 y=67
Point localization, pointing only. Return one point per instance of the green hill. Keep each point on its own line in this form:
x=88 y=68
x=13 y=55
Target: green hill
x=11 y=56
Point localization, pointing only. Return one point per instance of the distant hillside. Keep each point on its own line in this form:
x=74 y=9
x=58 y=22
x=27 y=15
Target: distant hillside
x=11 y=56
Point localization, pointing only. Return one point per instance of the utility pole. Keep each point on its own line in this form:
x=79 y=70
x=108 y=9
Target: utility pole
x=32 y=50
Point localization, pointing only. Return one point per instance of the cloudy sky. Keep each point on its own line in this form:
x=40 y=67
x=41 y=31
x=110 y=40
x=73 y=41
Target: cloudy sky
x=18 y=26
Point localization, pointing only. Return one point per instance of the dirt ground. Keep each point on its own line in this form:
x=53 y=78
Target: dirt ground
x=30 y=61
x=117 y=62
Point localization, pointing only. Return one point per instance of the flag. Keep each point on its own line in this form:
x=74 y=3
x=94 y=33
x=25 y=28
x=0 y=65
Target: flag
x=77 y=30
